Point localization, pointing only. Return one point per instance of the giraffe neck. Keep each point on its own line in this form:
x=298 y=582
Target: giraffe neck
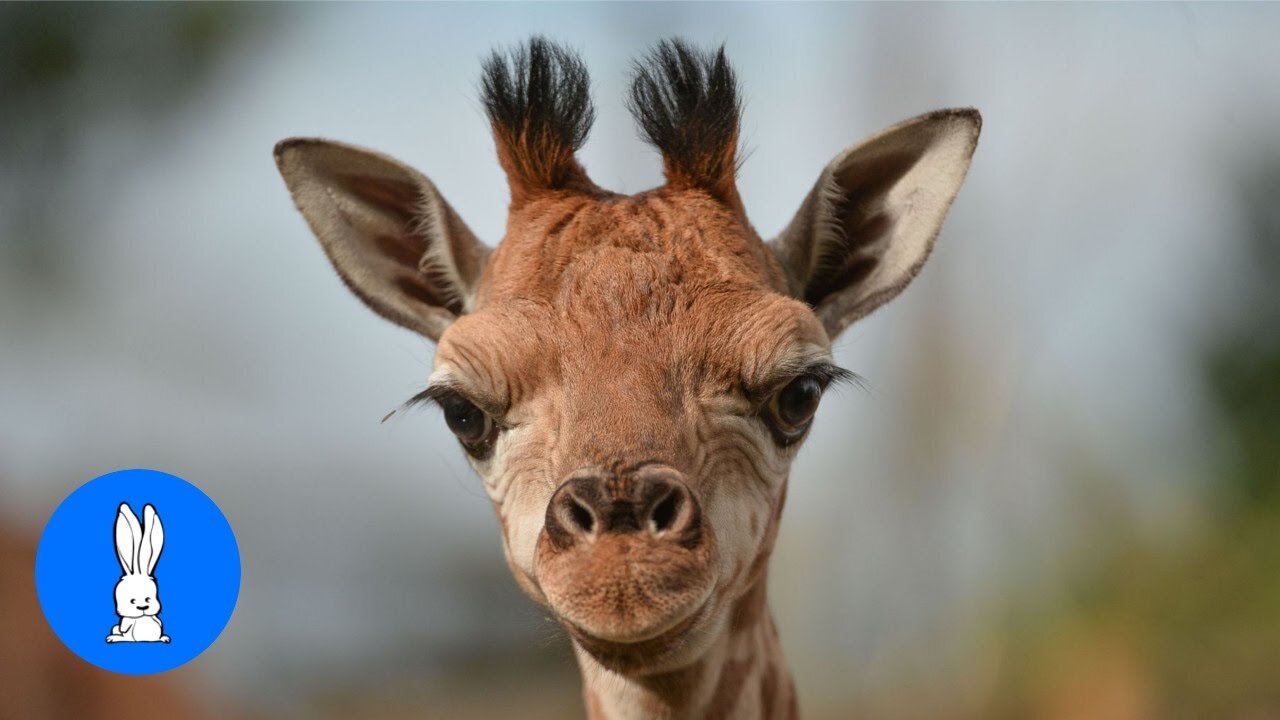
x=742 y=675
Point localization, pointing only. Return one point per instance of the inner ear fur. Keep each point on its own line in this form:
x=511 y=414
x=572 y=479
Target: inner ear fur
x=870 y=222
x=391 y=236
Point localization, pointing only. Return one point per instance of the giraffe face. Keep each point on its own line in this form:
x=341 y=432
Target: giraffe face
x=632 y=396
x=631 y=376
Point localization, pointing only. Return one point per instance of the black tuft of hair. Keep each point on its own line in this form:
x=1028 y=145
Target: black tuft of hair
x=538 y=98
x=686 y=103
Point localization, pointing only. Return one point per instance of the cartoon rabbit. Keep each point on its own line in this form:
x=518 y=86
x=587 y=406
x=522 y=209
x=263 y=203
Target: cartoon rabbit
x=137 y=597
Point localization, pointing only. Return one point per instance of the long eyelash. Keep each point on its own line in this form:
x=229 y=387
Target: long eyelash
x=432 y=395
x=830 y=374
x=827 y=373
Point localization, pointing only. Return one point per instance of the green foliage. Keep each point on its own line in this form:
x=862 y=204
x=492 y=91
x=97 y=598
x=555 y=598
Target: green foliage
x=1243 y=369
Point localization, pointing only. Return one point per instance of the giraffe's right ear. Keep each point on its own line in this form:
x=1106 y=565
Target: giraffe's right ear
x=389 y=233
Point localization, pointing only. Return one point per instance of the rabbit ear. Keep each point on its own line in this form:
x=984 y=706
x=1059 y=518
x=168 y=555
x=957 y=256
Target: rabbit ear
x=128 y=537
x=152 y=540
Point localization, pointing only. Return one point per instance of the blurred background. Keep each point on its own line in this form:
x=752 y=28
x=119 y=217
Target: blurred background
x=1058 y=498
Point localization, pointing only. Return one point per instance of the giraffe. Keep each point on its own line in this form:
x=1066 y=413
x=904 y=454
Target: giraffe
x=632 y=375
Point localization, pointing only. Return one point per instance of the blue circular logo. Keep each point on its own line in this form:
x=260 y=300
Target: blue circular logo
x=137 y=571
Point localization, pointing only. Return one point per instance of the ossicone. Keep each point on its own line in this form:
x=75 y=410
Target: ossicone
x=538 y=100
x=686 y=103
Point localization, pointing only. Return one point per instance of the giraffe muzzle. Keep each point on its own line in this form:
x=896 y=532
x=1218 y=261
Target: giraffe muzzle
x=625 y=557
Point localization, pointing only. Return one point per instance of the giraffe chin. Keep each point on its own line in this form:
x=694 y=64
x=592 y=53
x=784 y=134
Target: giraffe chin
x=628 y=593
x=676 y=647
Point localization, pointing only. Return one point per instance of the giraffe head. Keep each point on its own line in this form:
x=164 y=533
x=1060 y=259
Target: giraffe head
x=631 y=376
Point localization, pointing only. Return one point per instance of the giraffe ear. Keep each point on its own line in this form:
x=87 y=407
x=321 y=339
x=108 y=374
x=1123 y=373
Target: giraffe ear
x=389 y=233
x=869 y=223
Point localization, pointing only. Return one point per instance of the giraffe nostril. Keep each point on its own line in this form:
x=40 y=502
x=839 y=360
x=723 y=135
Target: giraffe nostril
x=580 y=515
x=651 y=501
x=664 y=513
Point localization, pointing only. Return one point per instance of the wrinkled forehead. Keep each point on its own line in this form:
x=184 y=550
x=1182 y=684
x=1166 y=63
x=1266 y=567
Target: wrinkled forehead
x=624 y=320
x=651 y=288
x=731 y=330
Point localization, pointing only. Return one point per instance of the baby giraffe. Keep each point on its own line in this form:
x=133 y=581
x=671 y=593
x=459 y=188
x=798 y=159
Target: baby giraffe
x=632 y=375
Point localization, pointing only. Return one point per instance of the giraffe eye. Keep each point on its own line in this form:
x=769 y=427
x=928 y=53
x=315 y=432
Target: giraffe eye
x=474 y=429
x=791 y=409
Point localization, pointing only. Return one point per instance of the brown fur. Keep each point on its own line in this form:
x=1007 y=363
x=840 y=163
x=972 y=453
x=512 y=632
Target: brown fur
x=729 y=689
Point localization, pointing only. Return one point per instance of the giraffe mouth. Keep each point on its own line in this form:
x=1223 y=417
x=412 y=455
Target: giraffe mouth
x=635 y=656
x=627 y=590
x=652 y=637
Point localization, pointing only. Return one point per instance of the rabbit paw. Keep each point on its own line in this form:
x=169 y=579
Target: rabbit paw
x=164 y=639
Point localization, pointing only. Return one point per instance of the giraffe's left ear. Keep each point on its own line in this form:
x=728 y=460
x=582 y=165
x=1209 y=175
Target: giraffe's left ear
x=869 y=223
